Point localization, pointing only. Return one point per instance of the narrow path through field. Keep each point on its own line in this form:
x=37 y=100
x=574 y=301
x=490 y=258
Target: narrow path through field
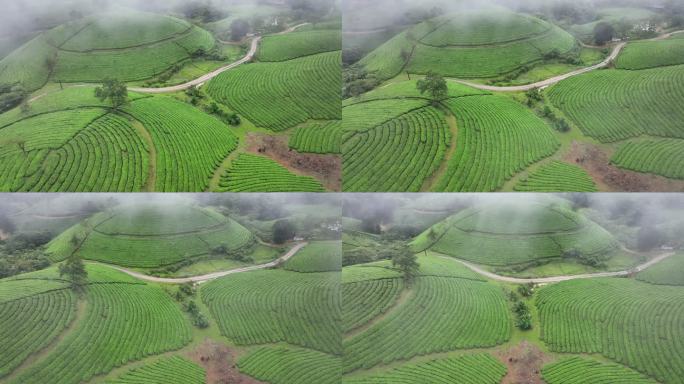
x=203 y=79
x=210 y=276
x=557 y=279
x=151 y=181
x=431 y=181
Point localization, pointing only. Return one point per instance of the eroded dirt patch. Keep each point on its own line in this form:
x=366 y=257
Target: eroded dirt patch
x=611 y=178
x=219 y=362
x=524 y=362
x=325 y=168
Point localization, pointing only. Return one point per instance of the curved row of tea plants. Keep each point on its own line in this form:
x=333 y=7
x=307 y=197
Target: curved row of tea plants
x=317 y=256
x=398 y=155
x=281 y=95
x=666 y=272
x=298 y=44
x=252 y=173
x=578 y=370
x=651 y=54
x=364 y=300
x=614 y=105
x=637 y=324
x=123 y=322
x=497 y=138
x=168 y=370
x=278 y=306
x=421 y=326
x=663 y=157
x=321 y=138
x=557 y=177
x=290 y=365
x=480 y=368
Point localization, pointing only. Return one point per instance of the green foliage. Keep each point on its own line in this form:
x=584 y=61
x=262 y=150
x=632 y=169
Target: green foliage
x=431 y=328
x=115 y=91
x=12 y=96
x=319 y=256
x=481 y=368
x=433 y=84
x=280 y=95
x=627 y=106
x=74 y=269
x=285 y=365
x=299 y=44
x=253 y=173
x=663 y=157
x=274 y=305
x=406 y=262
x=557 y=176
x=370 y=297
x=603 y=33
x=167 y=370
x=667 y=272
x=630 y=322
x=283 y=231
x=578 y=370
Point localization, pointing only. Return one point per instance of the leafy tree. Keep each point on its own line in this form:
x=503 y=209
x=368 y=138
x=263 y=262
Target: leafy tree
x=406 y=261
x=283 y=230
x=603 y=33
x=526 y=290
x=435 y=85
x=239 y=28
x=432 y=235
x=115 y=91
x=75 y=270
x=524 y=321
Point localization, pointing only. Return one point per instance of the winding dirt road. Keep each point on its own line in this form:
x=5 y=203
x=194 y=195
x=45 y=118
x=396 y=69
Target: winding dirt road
x=554 y=80
x=211 y=276
x=558 y=279
x=203 y=79
x=548 y=82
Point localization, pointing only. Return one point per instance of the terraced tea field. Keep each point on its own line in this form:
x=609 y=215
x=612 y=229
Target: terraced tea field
x=667 y=272
x=581 y=370
x=557 y=177
x=321 y=256
x=167 y=370
x=118 y=310
x=663 y=157
x=630 y=104
x=468 y=369
x=284 y=365
x=280 y=95
x=253 y=173
x=652 y=54
x=148 y=237
x=633 y=323
x=70 y=142
x=278 y=306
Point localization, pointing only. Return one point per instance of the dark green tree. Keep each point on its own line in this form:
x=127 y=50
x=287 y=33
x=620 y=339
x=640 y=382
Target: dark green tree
x=115 y=91
x=283 y=230
x=74 y=269
x=435 y=85
x=407 y=262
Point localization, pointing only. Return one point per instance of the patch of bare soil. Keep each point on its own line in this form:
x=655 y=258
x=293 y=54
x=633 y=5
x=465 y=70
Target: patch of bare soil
x=611 y=178
x=524 y=362
x=219 y=362
x=326 y=168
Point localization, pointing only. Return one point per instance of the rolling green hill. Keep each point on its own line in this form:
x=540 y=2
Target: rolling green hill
x=150 y=236
x=505 y=234
x=470 y=45
x=127 y=45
